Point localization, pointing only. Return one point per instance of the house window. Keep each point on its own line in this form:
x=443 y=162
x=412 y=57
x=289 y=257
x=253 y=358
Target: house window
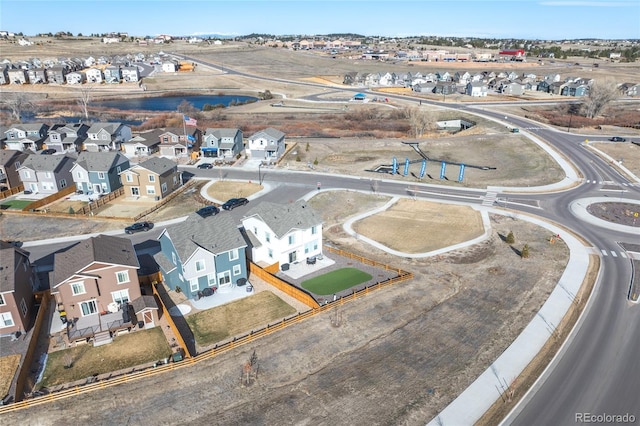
x=17 y=165
x=199 y=265
x=118 y=169
x=26 y=174
x=255 y=230
x=237 y=269
x=173 y=258
x=129 y=177
x=193 y=284
x=23 y=308
x=314 y=230
x=100 y=175
x=6 y=320
x=78 y=288
x=267 y=236
x=88 y=308
x=270 y=253
x=122 y=277
x=47 y=175
x=211 y=279
x=233 y=254
x=121 y=296
x=175 y=179
x=292 y=239
x=181 y=277
x=2 y=302
x=63 y=183
x=152 y=178
x=79 y=175
x=164 y=187
x=224 y=278
x=151 y=190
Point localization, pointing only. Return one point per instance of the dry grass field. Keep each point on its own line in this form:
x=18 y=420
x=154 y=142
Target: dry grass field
x=419 y=226
x=8 y=367
x=222 y=190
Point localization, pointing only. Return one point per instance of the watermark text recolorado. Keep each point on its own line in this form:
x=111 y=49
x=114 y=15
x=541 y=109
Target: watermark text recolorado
x=605 y=418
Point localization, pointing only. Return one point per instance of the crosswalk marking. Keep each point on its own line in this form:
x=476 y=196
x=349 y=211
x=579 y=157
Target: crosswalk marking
x=623 y=254
x=604 y=252
x=614 y=254
x=489 y=198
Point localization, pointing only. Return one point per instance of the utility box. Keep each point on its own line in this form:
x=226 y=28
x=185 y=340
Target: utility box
x=515 y=130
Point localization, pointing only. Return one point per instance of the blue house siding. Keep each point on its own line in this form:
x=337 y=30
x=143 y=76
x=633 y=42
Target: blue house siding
x=224 y=264
x=170 y=272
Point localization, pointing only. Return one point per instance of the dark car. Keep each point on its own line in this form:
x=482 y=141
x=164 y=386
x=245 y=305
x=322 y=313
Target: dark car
x=205 y=166
x=208 y=211
x=138 y=227
x=48 y=151
x=617 y=139
x=234 y=202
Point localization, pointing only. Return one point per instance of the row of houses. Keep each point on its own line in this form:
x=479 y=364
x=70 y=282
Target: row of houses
x=96 y=282
x=60 y=74
x=479 y=84
x=267 y=144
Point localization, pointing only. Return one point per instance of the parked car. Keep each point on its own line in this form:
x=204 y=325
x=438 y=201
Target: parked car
x=234 y=202
x=48 y=151
x=205 y=166
x=138 y=227
x=208 y=211
x=617 y=139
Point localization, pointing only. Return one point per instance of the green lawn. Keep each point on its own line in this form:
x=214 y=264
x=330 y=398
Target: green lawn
x=241 y=316
x=125 y=351
x=335 y=281
x=17 y=204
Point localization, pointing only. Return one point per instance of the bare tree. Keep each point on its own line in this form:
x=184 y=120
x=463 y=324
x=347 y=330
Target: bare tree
x=600 y=95
x=17 y=103
x=85 y=98
x=420 y=121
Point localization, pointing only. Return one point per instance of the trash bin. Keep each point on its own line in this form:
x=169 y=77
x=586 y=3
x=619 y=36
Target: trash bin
x=241 y=282
x=177 y=356
x=285 y=267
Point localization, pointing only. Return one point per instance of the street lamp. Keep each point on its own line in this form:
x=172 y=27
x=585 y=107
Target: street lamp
x=570 y=117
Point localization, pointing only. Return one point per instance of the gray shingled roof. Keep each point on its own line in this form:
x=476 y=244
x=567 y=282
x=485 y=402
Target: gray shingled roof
x=46 y=163
x=282 y=218
x=103 y=248
x=217 y=234
x=7 y=155
x=147 y=138
x=159 y=165
x=100 y=161
x=8 y=255
x=144 y=302
x=222 y=132
x=109 y=127
x=270 y=132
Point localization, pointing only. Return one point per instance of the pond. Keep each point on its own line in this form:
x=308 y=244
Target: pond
x=170 y=103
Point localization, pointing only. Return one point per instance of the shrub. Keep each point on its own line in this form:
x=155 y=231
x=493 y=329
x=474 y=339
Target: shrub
x=510 y=238
x=525 y=251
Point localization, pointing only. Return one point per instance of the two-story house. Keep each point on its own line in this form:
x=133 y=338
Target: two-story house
x=130 y=74
x=202 y=253
x=28 y=136
x=17 y=76
x=106 y=136
x=112 y=74
x=94 y=75
x=68 y=137
x=176 y=143
x=143 y=144
x=267 y=144
x=46 y=174
x=10 y=162
x=156 y=178
x=283 y=233
x=221 y=143
x=99 y=172
x=93 y=283
x=37 y=75
x=17 y=284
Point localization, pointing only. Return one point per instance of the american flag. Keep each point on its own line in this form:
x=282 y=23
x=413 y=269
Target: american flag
x=190 y=121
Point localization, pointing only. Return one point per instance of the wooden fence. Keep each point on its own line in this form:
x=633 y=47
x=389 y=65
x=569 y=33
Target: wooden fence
x=172 y=324
x=283 y=286
x=101 y=201
x=11 y=191
x=165 y=200
x=225 y=347
x=50 y=198
x=27 y=361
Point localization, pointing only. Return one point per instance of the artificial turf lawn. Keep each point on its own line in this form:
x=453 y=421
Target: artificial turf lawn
x=335 y=281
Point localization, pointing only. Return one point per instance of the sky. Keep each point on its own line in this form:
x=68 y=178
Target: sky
x=524 y=19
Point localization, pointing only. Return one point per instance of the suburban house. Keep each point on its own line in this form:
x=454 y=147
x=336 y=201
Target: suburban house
x=221 y=143
x=112 y=74
x=17 y=284
x=476 y=88
x=156 y=178
x=130 y=74
x=94 y=75
x=94 y=282
x=76 y=77
x=17 y=76
x=176 y=142
x=143 y=144
x=106 y=136
x=99 y=172
x=46 y=174
x=575 y=89
x=28 y=136
x=37 y=75
x=283 y=233
x=202 y=253
x=10 y=162
x=511 y=88
x=267 y=144
x=66 y=137
x=57 y=74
